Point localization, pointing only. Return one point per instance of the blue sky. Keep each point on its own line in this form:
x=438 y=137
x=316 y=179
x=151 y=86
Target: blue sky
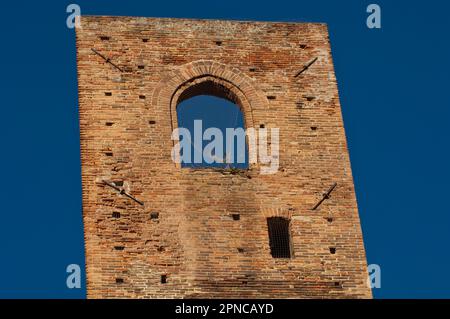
x=213 y=112
x=393 y=84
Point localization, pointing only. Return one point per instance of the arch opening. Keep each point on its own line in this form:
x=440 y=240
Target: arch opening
x=211 y=127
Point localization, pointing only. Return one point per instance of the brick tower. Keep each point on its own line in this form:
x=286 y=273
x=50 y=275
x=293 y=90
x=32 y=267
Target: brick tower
x=155 y=230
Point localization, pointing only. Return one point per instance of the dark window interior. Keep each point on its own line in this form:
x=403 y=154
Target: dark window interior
x=279 y=237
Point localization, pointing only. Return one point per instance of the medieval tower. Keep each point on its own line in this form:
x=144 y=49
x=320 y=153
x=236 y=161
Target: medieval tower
x=154 y=229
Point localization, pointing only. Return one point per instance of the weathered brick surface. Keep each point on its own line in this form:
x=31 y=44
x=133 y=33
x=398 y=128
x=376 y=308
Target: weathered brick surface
x=125 y=136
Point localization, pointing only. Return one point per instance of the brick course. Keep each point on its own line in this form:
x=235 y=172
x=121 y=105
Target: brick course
x=185 y=228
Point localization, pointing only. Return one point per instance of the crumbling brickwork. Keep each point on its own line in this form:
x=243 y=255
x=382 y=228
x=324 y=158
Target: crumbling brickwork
x=180 y=238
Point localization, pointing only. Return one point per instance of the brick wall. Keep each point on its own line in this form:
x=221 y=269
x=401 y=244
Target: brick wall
x=184 y=230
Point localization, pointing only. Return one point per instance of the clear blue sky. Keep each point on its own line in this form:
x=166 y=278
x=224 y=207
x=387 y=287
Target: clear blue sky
x=217 y=113
x=394 y=89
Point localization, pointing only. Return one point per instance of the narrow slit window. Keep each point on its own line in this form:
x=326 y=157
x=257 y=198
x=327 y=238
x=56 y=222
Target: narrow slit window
x=279 y=237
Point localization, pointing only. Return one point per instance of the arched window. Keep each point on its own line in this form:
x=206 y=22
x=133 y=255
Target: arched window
x=211 y=128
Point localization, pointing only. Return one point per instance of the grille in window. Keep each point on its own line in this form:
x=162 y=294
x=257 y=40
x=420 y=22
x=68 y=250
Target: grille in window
x=279 y=237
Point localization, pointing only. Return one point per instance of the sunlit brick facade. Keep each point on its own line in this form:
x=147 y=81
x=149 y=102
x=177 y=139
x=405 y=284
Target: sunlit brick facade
x=203 y=233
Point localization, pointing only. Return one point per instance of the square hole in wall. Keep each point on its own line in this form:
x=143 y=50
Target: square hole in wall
x=116 y=215
x=118 y=183
x=154 y=215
